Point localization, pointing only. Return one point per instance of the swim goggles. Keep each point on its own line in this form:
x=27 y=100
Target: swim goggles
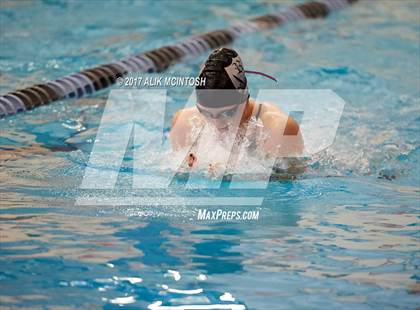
x=221 y=115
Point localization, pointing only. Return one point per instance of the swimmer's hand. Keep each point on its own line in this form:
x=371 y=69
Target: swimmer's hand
x=191 y=160
x=214 y=169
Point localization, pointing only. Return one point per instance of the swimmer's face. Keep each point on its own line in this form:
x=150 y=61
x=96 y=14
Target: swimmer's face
x=221 y=117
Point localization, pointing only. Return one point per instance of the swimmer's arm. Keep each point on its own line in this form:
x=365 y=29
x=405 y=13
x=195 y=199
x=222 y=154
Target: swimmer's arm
x=183 y=124
x=283 y=134
x=178 y=133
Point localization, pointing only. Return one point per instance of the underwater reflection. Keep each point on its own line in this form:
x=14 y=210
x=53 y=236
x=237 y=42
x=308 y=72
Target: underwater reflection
x=214 y=249
x=154 y=245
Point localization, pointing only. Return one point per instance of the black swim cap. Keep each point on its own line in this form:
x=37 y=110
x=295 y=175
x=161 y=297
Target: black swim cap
x=223 y=70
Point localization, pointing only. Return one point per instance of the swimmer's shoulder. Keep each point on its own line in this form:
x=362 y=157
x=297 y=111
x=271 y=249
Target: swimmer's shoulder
x=266 y=110
x=183 y=122
x=181 y=127
x=274 y=116
x=267 y=107
x=185 y=114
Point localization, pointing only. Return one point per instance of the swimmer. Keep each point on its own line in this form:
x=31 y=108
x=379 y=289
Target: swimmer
x=232 y=108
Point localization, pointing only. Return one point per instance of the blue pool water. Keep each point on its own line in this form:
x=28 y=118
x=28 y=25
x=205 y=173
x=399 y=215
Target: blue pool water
x=342 y=236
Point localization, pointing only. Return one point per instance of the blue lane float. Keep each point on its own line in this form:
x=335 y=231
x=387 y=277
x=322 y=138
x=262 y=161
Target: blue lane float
x=92 y=80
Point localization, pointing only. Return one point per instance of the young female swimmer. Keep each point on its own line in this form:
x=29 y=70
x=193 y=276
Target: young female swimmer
x=228 y=101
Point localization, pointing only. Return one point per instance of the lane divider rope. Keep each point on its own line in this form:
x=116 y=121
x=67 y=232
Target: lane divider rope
x=88 y=81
